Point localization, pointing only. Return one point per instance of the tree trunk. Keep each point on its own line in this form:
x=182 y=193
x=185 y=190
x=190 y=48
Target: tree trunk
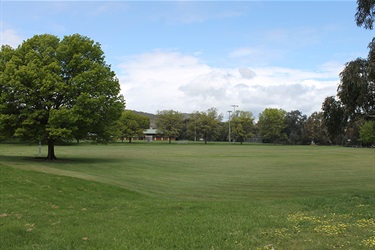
x=170 y=139
x=51 y=150
x=130 y=139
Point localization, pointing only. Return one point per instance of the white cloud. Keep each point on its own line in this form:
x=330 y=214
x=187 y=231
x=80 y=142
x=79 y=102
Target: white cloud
x=246 y=73
x=10 y=37
x=161 y=80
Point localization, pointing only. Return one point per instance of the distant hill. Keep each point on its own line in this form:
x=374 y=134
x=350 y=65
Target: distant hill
x=149 y=115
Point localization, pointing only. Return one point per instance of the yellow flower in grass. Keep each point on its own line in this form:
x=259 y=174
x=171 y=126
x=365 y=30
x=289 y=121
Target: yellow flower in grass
x=298 y=217
x=369 y=242
x=281 y=233
x=366 y=223
x=331 y=230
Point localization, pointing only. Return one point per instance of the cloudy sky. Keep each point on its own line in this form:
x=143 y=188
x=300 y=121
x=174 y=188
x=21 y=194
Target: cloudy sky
x=193 y=55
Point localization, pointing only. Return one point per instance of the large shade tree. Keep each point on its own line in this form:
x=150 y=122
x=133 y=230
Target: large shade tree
x=356 y=98
x=169 y=123
x=54 y=89
x=334 y=118
x=271 y=124
x=205 y=125
x=242 y=125
x=356 y=92
x=296 y=127
x=316 y=129
x=357 y=86
x=132 y=124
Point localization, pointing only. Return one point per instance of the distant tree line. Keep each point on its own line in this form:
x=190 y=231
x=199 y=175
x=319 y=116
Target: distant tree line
x=274 y=126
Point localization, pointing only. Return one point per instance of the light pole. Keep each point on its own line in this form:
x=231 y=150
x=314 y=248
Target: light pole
x=234 y=108
x=234 y=113
x=229 y=125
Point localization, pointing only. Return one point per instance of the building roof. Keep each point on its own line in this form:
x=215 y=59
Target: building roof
x=150 y=131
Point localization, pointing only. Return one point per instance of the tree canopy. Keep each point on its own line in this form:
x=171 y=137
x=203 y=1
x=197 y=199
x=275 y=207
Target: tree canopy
x=295 y=128
x=346 y=116
x=367 y=132
x=356 y=89
x=356 y=100
x=169 y=122
x=334 y=118
x=205 y=125
x=272 y=123
x=131 y=124
x=316 y=129
x=365 y=13
x=242 y=125
x=54 y=89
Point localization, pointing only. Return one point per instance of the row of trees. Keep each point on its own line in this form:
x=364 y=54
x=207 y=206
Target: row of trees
x=274 y=125
x=206 y=125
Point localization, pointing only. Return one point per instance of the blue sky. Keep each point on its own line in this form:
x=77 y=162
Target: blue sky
x=193 y=55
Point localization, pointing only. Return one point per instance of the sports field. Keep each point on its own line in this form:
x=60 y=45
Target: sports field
x=187 y=196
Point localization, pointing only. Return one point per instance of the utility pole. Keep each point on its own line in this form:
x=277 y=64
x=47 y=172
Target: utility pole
x=229 y=126
x=234 y=113
x=234 y=108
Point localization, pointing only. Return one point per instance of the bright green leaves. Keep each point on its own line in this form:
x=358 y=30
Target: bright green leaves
x=205 y=125
x=272 y=123
x=132 y=124
x=242 y=126
x=367 y=132
x=57 y=89
x=169 y=122
x=62 y=123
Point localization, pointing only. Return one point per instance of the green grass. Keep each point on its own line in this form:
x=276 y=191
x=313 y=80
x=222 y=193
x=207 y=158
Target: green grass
x=193 y=196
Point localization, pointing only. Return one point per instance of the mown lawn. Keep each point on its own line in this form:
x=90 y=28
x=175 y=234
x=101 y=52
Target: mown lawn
x=193 y=196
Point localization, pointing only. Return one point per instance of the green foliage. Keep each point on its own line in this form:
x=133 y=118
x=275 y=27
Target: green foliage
x=54 y=89
x=169 y=123
x=271 y=124
x=316 y=129
x=356 y=89
x=132 y=124
x=367 y=133
x=356 y=93
x=205 y=125
x=296 y=128
x=334 y=119
x=242 y=126
x=365 y=13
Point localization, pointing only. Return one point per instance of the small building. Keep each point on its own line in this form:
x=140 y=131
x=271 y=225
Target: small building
x=152 y=134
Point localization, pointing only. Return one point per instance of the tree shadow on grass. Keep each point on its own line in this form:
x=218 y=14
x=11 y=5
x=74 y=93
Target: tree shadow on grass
x=61 y=160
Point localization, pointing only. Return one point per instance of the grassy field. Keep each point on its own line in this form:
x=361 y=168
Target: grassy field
x=190 y=196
